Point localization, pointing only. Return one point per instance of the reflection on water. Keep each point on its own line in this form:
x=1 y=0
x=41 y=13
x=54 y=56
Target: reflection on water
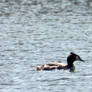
x=36 y=32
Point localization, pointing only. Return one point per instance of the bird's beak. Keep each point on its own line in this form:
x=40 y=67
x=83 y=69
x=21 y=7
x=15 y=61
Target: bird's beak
x=78 y=58
x=82 y=60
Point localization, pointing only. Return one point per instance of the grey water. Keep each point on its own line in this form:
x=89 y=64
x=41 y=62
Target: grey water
x=36 y=32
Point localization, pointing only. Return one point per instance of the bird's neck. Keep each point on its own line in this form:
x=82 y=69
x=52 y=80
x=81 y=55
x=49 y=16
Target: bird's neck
x=70 y=63
x=71 y=66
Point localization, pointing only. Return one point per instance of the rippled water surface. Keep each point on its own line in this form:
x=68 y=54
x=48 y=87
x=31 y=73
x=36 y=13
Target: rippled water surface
x=36 y=32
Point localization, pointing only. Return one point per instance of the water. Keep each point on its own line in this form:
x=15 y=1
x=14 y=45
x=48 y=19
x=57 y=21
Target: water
x=38 y=32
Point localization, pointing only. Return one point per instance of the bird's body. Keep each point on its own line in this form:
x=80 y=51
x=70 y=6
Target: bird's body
x=55 y=65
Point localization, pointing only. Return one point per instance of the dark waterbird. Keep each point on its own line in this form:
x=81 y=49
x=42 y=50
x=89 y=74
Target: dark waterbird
x=55 y=65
